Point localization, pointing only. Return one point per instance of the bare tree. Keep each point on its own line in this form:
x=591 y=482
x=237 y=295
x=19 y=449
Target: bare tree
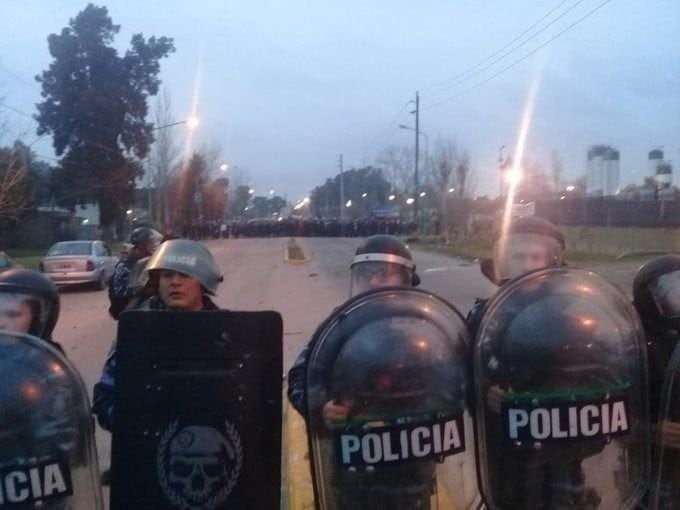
x=15 y=190
x=164 y=155
x=212 y=154
x=444 y=161
x=397 y=164
x=466 y=182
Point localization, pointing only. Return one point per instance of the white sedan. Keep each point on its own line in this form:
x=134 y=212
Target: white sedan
x=78 y=262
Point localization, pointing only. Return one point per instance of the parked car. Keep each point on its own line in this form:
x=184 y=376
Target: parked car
x=77 y=262
x=6 y=262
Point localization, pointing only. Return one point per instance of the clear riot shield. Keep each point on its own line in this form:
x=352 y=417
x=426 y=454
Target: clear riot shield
x=389 y=415
x=665 y=486
x=47 y=453
x=197 y=411
x=560 y=395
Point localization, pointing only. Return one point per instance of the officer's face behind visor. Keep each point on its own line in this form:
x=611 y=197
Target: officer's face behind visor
x=16 y=313
x=665 y=291
x=525 y=252
x=375 y=274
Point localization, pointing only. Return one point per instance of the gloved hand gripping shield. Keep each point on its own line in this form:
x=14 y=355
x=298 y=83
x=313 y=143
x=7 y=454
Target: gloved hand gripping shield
x=389 y=419
x=560 y=395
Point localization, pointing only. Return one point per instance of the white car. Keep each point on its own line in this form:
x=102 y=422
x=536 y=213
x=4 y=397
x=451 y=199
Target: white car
x=78 y=262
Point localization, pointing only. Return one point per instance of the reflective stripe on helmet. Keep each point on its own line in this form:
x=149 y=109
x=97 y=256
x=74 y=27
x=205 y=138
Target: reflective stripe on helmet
x=383 y=257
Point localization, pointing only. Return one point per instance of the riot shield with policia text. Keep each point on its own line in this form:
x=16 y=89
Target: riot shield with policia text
x=389 y=420
x=560 y=378
x=665 y=486
x=197 y=411
x=47 y=453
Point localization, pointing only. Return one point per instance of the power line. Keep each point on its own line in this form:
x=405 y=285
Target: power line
x=502 y=57
x=22 y=80
x=96 y=144
x=388 y=133
x=431 y=105
x=449 y=80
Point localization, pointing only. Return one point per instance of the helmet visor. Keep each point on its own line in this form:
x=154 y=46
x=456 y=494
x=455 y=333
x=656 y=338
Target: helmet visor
x=665 y=291
x=375 y=274
x=520 y=253
x=23 y=313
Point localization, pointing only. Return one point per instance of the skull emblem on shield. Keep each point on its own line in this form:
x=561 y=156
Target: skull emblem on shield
x=198 y=466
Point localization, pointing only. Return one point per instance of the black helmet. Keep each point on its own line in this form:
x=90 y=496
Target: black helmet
x=142 y=235
x=656 y=290
x=534 y=225
x=528 y=243
x=379 y=253
x=41 y=294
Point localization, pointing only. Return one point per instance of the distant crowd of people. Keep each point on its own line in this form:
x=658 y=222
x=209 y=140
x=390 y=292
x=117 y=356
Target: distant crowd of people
x=298 y=227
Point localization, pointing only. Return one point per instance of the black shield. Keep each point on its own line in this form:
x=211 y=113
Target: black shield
x=197 y=419
x=389 y=414
x=561 y=386
x=665 y=487
x=47 y=453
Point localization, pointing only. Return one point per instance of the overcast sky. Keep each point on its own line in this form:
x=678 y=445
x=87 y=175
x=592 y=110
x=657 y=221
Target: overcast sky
x=288 y=86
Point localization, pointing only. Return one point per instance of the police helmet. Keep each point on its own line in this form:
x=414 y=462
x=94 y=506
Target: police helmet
x=656 y=290
x=40 y=293
x=142 y=235
x=386 y=260
x=528 y=243
x=190 y=258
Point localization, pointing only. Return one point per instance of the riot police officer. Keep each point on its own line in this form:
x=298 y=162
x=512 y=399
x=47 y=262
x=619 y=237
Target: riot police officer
x=560 y=379
x=125 y=282
x=45 y=417
x=29 y=303
x=527 y=244
x=656 y=297
x=379 y=261
x=186 y=275
x=397 y=361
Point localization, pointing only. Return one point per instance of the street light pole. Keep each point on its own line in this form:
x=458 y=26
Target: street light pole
x=342 y=192
x=191 y=122
x=415 y=174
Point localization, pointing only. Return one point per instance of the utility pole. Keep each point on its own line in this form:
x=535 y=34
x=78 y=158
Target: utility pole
x=416 y=185
x=342 y=192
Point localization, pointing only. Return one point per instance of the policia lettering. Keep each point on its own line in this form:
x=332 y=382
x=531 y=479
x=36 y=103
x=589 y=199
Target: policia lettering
x=564 y=421
x=391 y=445
x=22 y=484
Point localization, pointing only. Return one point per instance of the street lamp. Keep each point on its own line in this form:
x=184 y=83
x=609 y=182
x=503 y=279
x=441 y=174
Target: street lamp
x=224 y=167
x=391 y=197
